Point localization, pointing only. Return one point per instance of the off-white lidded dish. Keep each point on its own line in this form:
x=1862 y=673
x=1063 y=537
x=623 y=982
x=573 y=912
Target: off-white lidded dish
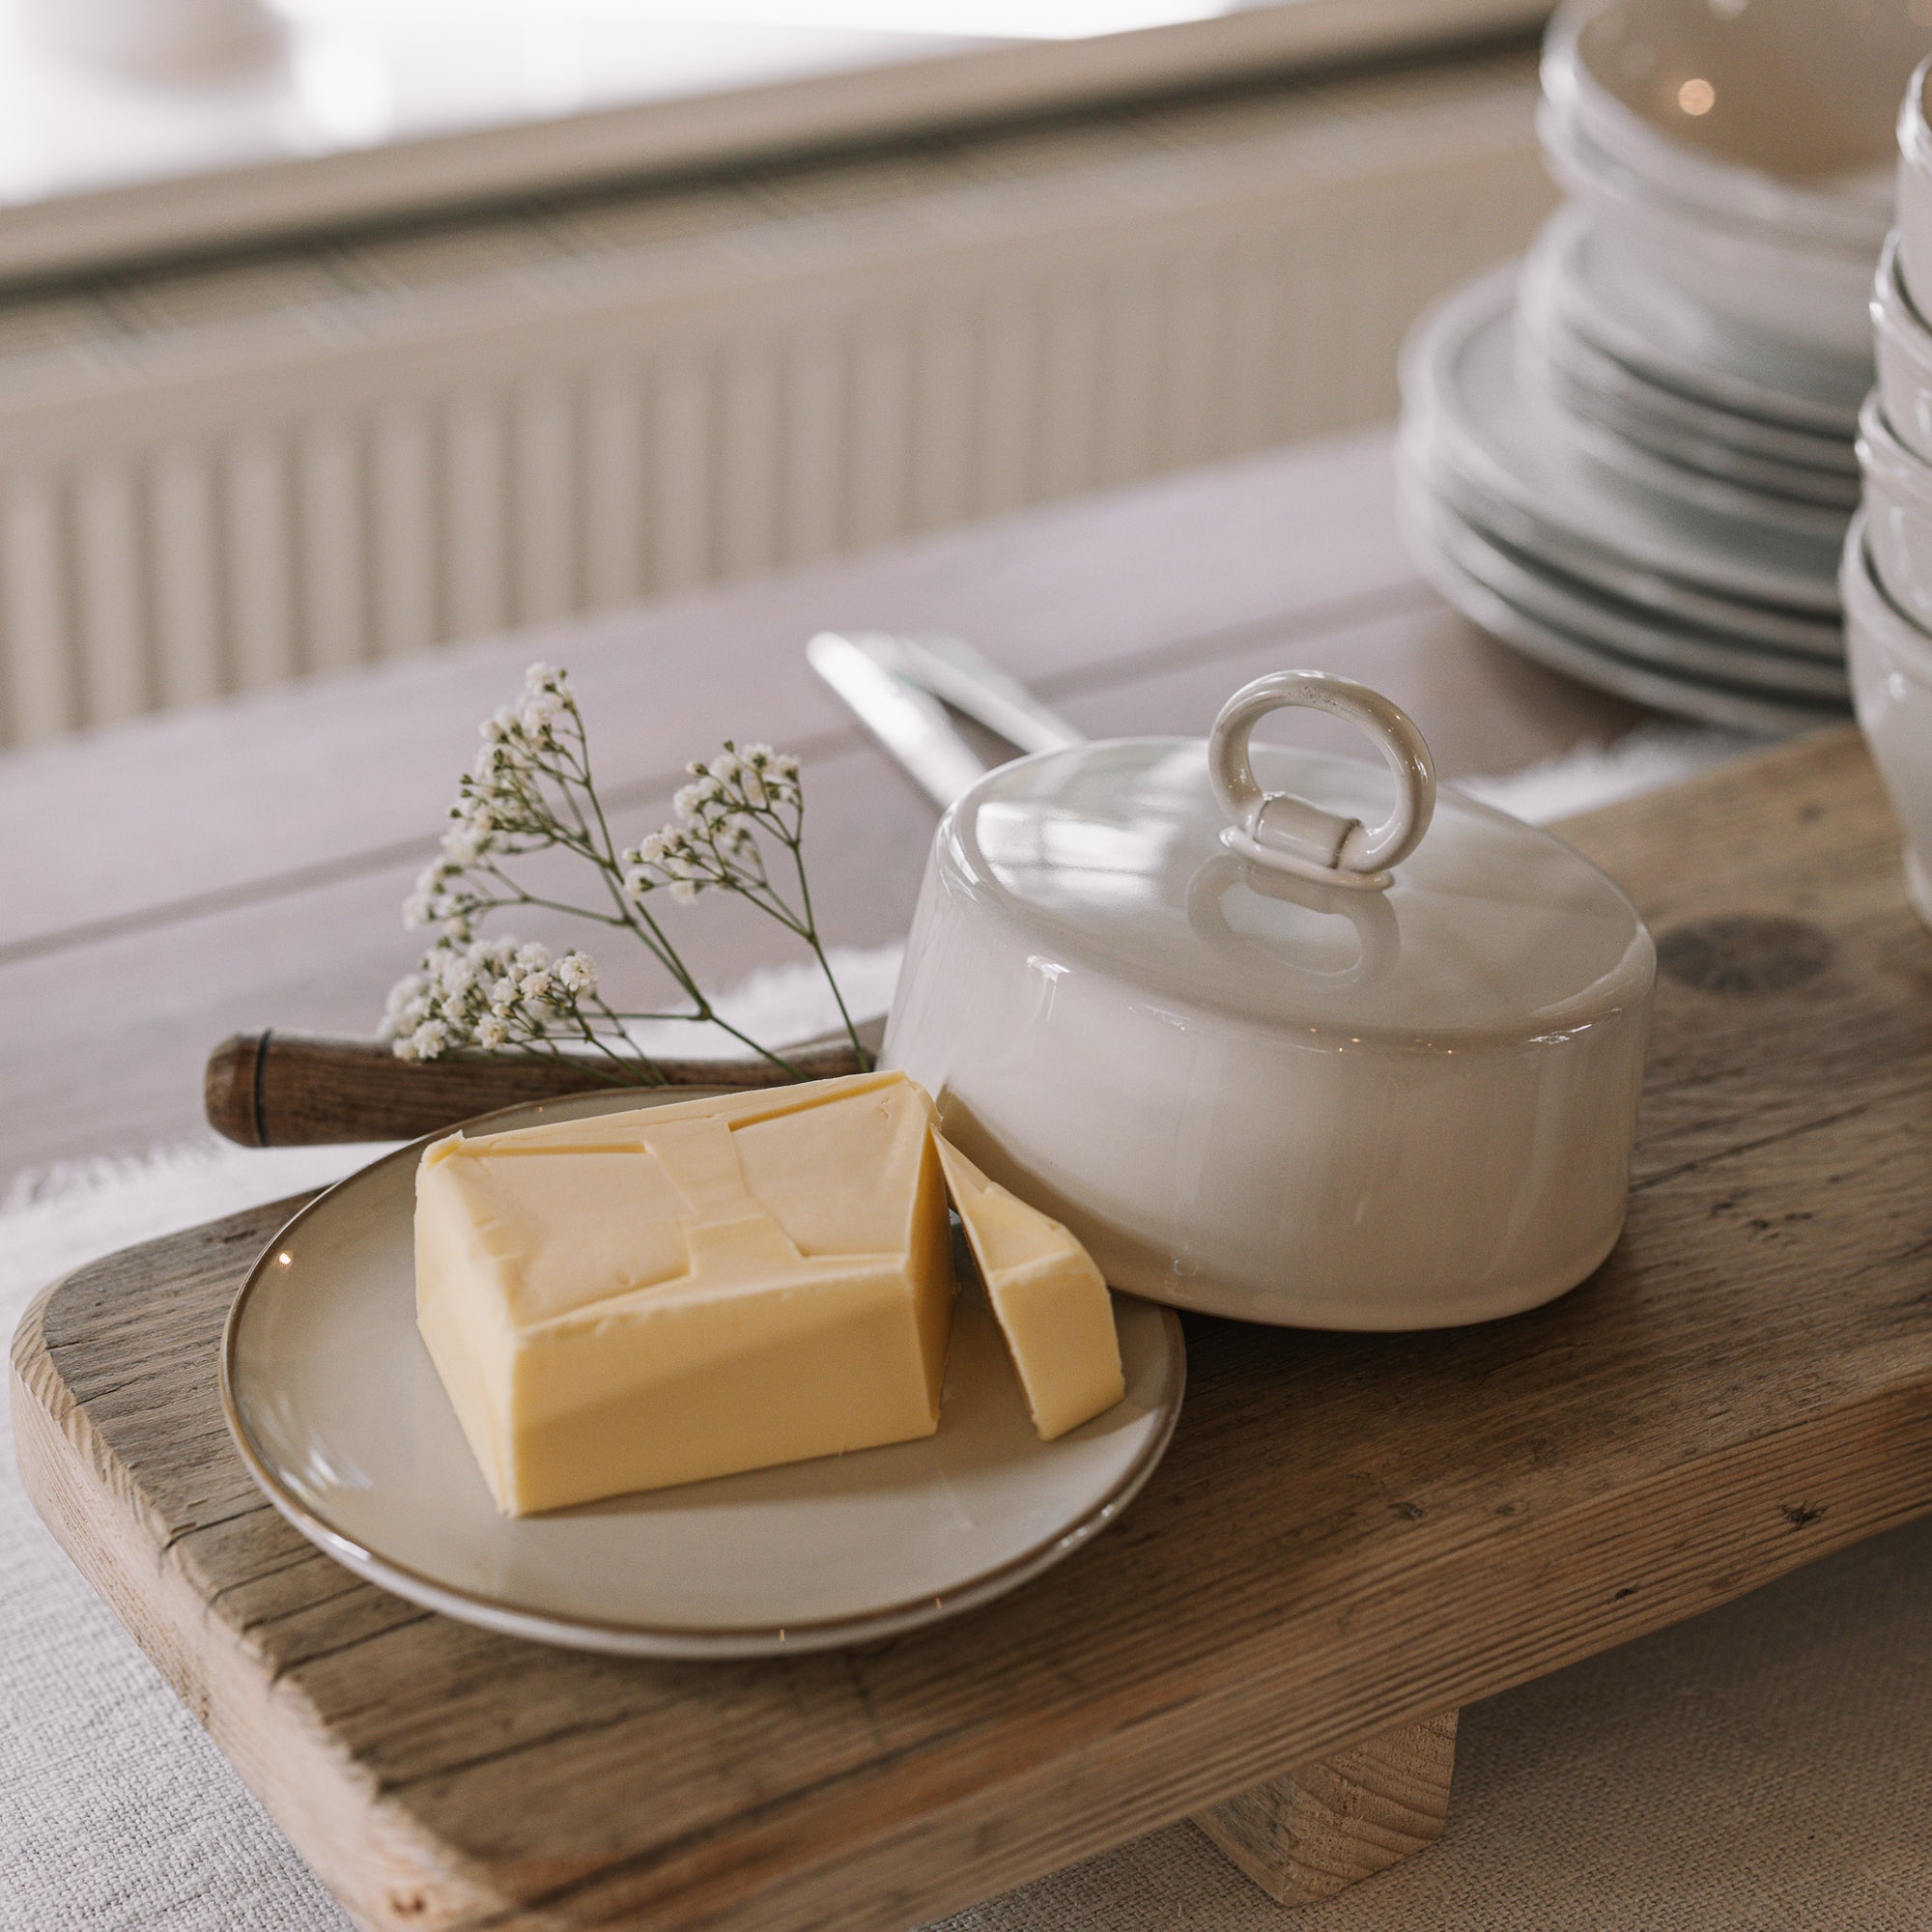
x=1271 y=1048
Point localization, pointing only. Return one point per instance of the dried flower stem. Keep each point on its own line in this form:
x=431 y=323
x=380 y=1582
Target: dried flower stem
x=530 y=789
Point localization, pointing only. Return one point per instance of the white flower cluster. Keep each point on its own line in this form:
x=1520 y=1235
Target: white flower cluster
x=712 y=841
x=499 y=802
x=530 y=790
x=489 y=993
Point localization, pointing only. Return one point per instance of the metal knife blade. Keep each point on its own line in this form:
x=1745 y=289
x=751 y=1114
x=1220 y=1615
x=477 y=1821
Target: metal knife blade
x=959 y=675
x=894 y=685
x=908 y=721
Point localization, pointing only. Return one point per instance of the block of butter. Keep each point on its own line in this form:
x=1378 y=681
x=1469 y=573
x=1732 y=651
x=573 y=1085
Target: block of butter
x=653 y=1297
x=1049 y=1299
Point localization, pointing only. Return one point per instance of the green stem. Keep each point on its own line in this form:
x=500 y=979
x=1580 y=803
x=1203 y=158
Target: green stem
x=542 y=1049
x=522 y=897
x=796 y=846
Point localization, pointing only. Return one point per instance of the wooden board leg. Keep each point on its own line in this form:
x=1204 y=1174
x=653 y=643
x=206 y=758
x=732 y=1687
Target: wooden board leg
x=1305 y=1837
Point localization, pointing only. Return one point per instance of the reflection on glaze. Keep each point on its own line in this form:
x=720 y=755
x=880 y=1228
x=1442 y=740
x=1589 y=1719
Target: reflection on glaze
x=1348 y=938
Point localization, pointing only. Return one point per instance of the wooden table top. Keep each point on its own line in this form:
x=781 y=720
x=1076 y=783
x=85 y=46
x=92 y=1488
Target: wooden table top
x=243 y=865
x=1350 y=1533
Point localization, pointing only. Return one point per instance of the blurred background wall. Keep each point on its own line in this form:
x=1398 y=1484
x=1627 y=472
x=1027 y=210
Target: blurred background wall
x=294 y=459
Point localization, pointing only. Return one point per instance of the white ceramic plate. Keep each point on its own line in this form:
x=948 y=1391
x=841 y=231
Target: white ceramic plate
x=1630 y=462
x=1641 y=407
x=1573 y=376
x=1577 y=657
x=342 y=1420
x=1601 y=621
x=1462 y=386
x=1648 y=325
x=1820 y=636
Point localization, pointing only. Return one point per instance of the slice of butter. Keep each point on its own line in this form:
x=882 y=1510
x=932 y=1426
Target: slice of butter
x=653 y=1297
x=1049 y=1299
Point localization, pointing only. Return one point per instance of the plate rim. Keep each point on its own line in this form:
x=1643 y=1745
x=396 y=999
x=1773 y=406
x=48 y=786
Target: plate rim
x=1634 y=582
x=1755 y=668
x=1590 y=367
x=721 y=1643
x=1433 y=363
x=1682 y=696
x=1559 y=255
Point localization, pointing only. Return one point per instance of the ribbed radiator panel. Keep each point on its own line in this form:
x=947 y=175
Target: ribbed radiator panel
x=296 y=472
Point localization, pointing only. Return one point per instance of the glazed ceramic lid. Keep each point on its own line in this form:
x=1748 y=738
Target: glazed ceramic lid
x=1277 y=886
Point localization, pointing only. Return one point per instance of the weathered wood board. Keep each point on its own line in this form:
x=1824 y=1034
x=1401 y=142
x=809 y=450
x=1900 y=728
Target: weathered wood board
x=1350 y=1534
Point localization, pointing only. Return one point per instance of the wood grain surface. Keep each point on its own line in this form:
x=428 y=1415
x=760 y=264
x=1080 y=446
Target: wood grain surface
x=1325 y=1827
x=1349 y=1535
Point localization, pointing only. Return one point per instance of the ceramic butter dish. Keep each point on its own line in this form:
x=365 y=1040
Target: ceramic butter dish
x=1269 y=1047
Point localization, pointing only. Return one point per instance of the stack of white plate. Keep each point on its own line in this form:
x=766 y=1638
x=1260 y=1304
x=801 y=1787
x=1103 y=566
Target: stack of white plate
x=1633 y=456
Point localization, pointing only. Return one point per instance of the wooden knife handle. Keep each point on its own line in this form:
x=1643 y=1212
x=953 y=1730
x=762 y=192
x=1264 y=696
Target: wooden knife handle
x=287 y=1089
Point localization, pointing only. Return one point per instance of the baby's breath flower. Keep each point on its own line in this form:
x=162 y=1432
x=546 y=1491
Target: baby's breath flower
x=465 y=844
x=528 y=789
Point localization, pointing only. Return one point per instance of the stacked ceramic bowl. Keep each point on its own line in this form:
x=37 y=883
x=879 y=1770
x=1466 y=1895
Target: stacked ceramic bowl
x=1632 y=455
x=1886 y=576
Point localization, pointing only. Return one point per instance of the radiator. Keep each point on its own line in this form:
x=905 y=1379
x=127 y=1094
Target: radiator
x=218 y=481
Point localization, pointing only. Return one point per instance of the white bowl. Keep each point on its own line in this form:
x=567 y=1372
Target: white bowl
x=1904 y=341
x=1890 y=661
x=1771 y=115
x=1808 y=297
x=1898 y=514
x=1915 y=188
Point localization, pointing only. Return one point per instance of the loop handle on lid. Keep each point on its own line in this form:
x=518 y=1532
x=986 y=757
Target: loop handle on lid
x=1293 y=835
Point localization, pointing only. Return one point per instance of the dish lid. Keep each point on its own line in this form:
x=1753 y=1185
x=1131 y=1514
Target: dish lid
x=1280 y=886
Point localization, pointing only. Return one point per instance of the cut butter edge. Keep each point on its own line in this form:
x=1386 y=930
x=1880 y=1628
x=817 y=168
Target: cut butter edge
x=1051 y=1302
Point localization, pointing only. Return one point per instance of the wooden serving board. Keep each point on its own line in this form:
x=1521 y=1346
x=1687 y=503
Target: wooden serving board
x=1350 y=1534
